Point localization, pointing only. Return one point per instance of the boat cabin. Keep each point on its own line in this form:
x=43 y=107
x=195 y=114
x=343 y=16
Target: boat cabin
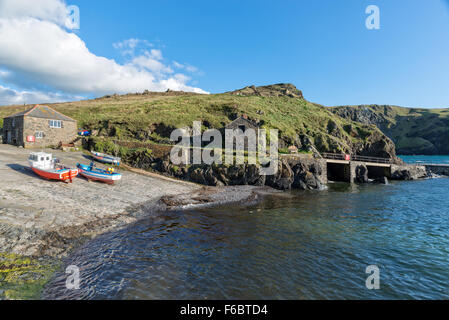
x=41 y=160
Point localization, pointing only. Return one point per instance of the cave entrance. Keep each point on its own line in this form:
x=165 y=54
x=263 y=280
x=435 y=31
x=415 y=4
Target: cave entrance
x=338 y=172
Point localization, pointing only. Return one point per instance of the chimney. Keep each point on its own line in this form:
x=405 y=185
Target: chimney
x=245 y=116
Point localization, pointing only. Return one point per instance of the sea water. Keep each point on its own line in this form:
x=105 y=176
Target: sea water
x=298 y=245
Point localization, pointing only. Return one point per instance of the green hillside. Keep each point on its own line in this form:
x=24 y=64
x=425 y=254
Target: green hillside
x=414 y=130
x=150 y=117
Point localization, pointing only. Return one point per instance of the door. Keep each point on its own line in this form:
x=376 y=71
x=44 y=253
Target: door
x=8 y=136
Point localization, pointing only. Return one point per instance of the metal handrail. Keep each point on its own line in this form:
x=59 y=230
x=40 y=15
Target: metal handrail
x=338 y=156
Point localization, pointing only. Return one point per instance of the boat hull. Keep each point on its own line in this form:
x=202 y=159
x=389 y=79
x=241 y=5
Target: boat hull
x=98 y=176
x=60 y=175
x=106 y=159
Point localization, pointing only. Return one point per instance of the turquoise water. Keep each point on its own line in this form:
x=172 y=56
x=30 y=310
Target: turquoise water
x=426 y=159
x=302 y=245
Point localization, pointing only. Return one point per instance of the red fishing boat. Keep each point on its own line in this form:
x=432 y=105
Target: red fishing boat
x=45 y=166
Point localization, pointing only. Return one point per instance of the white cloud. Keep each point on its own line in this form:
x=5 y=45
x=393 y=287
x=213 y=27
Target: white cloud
x=156 y=54
x=178 y=65
x=50 y=10
x=9 y=96
x=129 y=46
x=152 y=62
x=187 y=67
x=37 y=51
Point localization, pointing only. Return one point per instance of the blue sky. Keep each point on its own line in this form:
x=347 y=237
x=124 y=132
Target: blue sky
x=323 y=47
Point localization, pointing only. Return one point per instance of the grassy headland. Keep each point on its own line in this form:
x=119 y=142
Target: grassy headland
x=150 y=117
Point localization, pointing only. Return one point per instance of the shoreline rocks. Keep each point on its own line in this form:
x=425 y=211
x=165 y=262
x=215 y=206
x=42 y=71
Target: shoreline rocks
x=408 y=172
x=304 y=173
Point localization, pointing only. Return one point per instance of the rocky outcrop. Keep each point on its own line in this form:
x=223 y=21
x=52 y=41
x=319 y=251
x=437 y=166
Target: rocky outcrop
x=275 y=90
x=408 y=172
x=298 y=173
x=363 y=114
x=284 y=177
x=308 y=174
x=377 y=145
x=361 y=174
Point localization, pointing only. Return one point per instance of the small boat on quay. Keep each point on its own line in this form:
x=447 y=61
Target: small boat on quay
x=105 y=158
x=96 y=174
x=44 y=165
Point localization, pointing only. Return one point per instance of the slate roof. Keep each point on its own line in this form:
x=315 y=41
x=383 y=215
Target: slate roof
x=44 y=112
x=244 y=119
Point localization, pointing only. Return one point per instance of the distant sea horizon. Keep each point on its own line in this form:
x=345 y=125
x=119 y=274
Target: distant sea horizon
x=437 y=159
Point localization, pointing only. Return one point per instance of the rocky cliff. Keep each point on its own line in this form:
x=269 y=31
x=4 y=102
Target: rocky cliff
x=414 y=130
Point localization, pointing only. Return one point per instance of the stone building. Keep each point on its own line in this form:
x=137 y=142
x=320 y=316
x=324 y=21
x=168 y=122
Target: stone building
x=243 y=123
x=38 y=127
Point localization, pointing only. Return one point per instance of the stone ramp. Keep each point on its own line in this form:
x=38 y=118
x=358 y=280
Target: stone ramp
x=32 y=207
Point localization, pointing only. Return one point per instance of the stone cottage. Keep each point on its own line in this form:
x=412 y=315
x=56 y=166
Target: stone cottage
x=243 y=123
x=38 y=127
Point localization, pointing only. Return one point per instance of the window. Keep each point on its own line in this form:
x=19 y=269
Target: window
x=243 y=128
x=13 y=123
x=55 y=124
x=39 y=134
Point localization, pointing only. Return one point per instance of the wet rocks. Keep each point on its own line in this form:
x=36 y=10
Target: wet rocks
x=253 y=176
x=305 y=174
x=283 y=179
x=210 y=196
x=308 y=175
x=408 y=172
x=361 y=174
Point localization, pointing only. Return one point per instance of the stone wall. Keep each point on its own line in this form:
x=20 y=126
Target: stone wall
x=52 y=136
x=15 y=131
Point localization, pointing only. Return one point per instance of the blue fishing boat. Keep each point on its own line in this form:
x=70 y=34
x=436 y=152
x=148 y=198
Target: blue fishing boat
x=96 y=174
x=105 y=158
